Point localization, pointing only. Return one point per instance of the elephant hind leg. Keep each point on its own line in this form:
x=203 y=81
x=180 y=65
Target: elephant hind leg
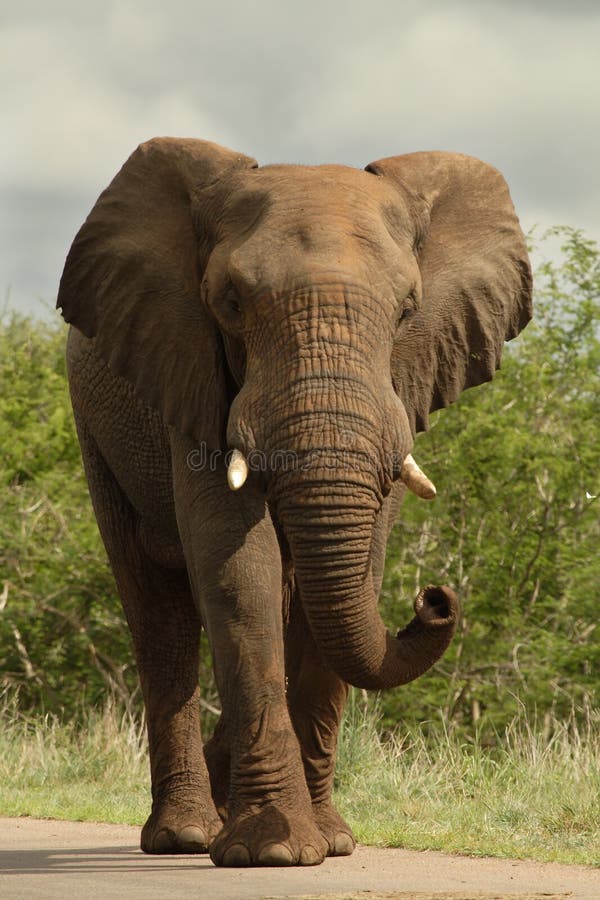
x=316 y=700
x=165 y=627
x=218 y=760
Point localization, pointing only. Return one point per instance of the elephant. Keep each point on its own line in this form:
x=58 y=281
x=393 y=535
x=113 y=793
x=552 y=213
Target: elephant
x=252 y=352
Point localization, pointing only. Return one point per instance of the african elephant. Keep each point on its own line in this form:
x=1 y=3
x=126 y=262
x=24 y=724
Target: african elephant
x=310 y=317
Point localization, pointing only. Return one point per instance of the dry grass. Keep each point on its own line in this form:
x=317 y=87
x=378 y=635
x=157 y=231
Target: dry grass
x=530 y=796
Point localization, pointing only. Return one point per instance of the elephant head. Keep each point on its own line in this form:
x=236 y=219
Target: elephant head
x=314 y=314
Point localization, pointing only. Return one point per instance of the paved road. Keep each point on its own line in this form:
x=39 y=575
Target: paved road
x=50 y=859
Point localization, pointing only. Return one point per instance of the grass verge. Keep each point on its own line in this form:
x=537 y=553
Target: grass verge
x=529 y=796
x=95 y=769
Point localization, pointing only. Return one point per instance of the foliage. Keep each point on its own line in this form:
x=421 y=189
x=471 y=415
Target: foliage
x=62 y=636
x=515 y=529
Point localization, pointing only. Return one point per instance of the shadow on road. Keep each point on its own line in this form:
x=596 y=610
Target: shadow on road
x=106 y=859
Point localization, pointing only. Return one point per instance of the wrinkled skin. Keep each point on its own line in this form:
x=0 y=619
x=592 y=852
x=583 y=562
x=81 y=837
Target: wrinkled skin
x=317 y=315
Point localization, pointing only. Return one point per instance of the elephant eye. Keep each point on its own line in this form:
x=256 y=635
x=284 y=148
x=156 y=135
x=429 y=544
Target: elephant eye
x=233 y=301
x=408 y=307
x=405 y=314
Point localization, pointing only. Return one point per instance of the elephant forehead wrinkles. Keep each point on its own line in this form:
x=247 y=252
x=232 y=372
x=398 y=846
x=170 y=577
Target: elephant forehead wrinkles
x=319 y=319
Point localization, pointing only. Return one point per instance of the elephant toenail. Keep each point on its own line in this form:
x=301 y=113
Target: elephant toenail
x=309 y=856
x=236 y=855
x=275 y=855
x=343 y=844
x=163 y=841
x=192 y=839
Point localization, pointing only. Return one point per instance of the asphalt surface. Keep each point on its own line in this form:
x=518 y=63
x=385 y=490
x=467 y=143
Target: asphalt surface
x=52 y=859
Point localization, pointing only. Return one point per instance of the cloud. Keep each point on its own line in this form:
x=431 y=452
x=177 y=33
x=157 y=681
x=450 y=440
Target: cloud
x=70 y=119
x=82 y=84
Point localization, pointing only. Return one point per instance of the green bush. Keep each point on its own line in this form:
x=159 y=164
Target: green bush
x=62 y=634
x=515 y=527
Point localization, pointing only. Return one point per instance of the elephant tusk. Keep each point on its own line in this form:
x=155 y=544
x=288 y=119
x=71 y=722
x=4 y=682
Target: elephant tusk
x=237 y=471
x=416 y=480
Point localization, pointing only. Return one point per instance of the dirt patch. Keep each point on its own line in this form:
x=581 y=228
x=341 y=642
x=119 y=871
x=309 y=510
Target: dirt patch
x=411 y=895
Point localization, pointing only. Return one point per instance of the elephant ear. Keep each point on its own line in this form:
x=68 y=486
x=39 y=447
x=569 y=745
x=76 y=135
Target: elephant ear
x=476 y=279
x=132 y=280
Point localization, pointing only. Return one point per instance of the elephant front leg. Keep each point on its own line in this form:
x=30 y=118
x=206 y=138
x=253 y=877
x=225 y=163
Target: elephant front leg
x=166 y=632
x=165 y=628
x=183 y=817
x=234 y=563
x=316 y=699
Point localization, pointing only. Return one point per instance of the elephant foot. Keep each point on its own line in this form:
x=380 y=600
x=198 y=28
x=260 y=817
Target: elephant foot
x=270 y=836
x=334 y=829
x=179 y=829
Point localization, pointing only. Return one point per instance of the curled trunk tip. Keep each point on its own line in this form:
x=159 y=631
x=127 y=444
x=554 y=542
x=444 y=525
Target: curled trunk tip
x=333 y=569
x=436 y=606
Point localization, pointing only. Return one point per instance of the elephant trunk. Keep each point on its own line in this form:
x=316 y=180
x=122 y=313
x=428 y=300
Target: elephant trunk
x=336 y=436
x=331 y=552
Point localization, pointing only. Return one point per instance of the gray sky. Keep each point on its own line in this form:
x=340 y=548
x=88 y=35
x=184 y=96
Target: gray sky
x=82 y=82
